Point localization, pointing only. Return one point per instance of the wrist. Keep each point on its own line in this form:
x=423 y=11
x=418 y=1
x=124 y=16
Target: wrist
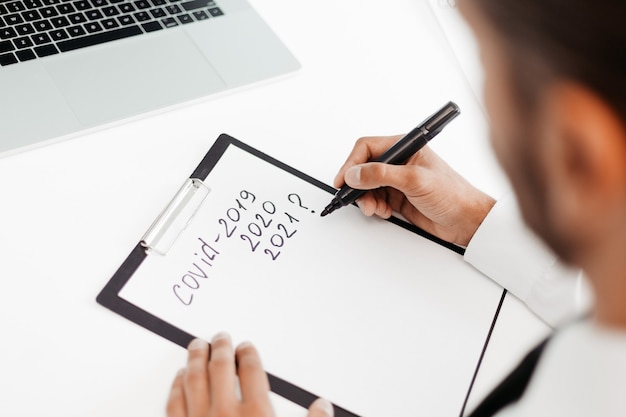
x=474 y=212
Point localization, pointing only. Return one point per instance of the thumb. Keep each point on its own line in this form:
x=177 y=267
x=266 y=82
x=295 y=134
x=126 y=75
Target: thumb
x=321 y=408
x=372 y=175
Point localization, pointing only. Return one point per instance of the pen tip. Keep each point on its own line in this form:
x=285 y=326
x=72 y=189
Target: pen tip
x=334 y=205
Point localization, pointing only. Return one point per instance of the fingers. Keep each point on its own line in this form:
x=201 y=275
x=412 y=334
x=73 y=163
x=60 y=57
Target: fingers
x=359 y=174
x=375 y=203
x=365 y=149
x=374 y=175
x=207 y=386
x=391 y=184
x=222 y=371
x=196 y=378
x=176 y=402
x=253 y=380
x=321 y=408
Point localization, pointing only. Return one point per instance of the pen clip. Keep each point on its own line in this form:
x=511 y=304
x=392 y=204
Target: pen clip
x=435 y=123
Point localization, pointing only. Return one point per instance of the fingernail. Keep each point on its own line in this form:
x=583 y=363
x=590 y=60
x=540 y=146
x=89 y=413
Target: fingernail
x=326 y=406
x=198 y=344
x=359 y=203
x=220 y=336
x=244 y=345
x=353 y=176
x=180 y=372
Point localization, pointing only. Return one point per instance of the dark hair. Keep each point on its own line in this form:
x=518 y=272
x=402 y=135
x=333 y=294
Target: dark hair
x=584 y=41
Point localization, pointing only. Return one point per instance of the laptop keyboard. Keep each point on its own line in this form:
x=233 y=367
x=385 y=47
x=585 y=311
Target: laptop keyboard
x=31 y=29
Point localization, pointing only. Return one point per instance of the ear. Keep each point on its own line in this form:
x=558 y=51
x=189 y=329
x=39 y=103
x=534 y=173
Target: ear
x=584 y=155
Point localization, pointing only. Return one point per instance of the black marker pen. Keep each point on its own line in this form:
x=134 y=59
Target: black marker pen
x=400 y=152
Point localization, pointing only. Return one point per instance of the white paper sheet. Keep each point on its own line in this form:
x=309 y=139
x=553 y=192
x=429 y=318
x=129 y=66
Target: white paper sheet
x=375 y=318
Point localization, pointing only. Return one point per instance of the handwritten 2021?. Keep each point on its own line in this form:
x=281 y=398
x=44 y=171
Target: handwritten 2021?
x=267 y=228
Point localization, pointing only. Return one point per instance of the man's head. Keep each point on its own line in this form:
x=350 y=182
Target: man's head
x=555 y=92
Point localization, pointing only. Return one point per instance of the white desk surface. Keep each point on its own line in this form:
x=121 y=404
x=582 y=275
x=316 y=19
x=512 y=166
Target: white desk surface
x=73 y=211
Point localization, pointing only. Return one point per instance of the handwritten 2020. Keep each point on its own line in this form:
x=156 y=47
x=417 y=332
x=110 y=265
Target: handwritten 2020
x=262 y=226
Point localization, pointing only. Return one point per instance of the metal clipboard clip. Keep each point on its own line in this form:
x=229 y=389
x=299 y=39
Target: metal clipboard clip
x=172 y=221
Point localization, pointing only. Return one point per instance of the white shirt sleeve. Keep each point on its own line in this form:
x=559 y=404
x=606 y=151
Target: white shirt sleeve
x=504 y=249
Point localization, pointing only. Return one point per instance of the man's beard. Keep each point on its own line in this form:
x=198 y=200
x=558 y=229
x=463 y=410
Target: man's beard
x=528 y=178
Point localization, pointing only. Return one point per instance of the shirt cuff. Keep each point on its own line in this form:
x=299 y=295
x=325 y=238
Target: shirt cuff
x=504 y=249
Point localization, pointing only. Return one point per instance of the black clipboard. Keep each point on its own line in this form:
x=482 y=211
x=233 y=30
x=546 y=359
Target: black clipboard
x=109 y=295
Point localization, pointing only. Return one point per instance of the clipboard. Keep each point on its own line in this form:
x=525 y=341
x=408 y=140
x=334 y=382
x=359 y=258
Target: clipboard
x=193 y=198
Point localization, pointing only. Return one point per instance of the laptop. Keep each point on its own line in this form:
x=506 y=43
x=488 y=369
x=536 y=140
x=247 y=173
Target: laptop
x=71 y=65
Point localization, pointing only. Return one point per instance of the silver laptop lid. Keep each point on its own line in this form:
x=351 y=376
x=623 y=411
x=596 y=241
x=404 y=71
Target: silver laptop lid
x=73 y=65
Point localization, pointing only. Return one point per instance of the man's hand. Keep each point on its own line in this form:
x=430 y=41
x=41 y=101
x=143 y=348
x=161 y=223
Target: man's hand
x=425 y=190
x=207 y=387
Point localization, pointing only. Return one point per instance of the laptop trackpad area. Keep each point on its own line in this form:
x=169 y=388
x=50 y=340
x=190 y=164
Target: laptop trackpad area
x=133 y=76
x=31 y=107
